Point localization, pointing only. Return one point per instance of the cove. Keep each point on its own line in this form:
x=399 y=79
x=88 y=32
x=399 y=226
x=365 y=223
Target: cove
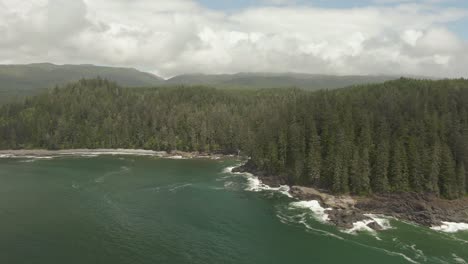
x=128 y=209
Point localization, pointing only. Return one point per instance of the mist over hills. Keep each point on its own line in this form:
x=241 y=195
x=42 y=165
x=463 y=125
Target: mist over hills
x=18 y=81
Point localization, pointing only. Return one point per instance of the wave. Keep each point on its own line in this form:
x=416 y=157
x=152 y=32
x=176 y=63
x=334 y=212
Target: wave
x=229 y=185
x=363 y=226
x=112 y=152
x=318 y=211
x=175 y=188
x=123 y=169
x=457 y=259
x=393 y=253
x=229 y=169
x=177 y=157
x=302 y=220
x=451 y=227
x=254 y=184
x=28 y=159
x=82 y=153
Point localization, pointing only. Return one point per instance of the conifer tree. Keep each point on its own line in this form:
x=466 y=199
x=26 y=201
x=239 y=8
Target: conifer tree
x=399 y=169
x=461 y=180
x=447 y=178
x=314 y=157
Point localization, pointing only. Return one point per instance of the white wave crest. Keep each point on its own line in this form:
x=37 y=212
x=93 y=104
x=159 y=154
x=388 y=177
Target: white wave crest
x=381 y=220
x=176 y=157
x=27 y=157
x=363 y=226
x=313 y=205
x=451 y=227
x=254 y=184
x=229 y=169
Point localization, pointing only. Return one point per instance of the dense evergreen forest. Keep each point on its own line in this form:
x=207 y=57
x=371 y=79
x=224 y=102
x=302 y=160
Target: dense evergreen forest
x=403 y=135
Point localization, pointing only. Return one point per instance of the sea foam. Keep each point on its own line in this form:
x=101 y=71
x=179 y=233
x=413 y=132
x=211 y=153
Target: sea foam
x=313 y=205
x=363 y=226
x=254 y=184
x=451 y=227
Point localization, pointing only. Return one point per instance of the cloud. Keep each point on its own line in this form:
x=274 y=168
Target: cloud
x=181 y=36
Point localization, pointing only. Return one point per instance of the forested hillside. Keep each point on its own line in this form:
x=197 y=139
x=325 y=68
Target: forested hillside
x=404 y=135
x=18 y=81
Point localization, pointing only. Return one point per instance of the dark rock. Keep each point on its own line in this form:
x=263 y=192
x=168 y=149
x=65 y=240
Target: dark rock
x=423 y=209
x=374 y=226
x=345 y=218
x=302 y=194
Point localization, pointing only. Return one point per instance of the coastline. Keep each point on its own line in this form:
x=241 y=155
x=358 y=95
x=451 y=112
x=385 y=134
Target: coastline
x=44 y=153
x=353 y=213
x=345 y=211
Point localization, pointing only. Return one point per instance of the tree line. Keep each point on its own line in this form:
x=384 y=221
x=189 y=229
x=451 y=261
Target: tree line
x=399 y=136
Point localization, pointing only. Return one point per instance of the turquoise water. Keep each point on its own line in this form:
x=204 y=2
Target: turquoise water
x=124 y=209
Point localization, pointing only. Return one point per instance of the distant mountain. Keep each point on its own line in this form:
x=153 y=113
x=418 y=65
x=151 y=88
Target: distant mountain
x=22 y=80
x=269 y=80
x=18 y=81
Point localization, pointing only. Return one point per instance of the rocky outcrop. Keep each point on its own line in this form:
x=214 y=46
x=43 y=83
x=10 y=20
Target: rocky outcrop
x=345 y=210
x=424 y=209
x=341 y=209
x=270 y=180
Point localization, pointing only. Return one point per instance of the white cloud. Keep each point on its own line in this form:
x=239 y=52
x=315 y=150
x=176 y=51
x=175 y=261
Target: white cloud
x=180 y=36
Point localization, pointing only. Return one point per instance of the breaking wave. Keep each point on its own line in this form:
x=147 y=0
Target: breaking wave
x=318 y=211
x=451 y=227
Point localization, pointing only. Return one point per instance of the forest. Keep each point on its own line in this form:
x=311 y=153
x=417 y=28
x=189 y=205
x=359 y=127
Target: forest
x=399 y=136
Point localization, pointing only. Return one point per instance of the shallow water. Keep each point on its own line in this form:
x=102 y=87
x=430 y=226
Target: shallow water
x=124 y=209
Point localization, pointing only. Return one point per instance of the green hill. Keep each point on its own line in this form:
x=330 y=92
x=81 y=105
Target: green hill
x=268 y=80
x=17 y=81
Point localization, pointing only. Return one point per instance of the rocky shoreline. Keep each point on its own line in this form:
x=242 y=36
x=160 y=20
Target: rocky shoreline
x=345 y=210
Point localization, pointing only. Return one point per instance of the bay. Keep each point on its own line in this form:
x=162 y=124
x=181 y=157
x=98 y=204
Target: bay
x=127 y=209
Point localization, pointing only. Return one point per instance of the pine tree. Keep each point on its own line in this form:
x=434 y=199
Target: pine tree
x=447 y=179
x=432 y=182
x=338 y=175
x=354 y=171
x=314 y=157
x=296 y=152
x=461 y=179
x=360 y=172
x=364 y=173
x=399 y=169
x=416 y=174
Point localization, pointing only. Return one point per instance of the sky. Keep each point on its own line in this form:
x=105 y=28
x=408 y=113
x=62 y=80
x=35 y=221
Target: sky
x=167 y=38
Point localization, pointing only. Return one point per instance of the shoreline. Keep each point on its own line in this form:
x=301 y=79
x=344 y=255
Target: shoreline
x=44 y=153
x=360 y=213
x=345 y=211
